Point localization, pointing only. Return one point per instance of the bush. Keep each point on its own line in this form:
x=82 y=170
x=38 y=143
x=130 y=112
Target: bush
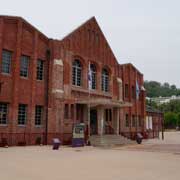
x=170 y=120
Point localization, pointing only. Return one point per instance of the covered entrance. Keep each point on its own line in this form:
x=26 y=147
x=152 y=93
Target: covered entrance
x=104 y=115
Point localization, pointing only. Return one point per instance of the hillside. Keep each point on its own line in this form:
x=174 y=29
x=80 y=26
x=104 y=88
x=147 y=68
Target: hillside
x=156 y=89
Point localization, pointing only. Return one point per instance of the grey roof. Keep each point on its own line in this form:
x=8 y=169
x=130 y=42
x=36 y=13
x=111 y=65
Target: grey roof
x=152 y=110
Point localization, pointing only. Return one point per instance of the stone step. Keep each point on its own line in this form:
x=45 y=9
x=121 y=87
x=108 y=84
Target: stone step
x=109 y=140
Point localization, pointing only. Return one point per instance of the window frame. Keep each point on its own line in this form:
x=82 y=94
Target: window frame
x=77 y=72
x=40 y=72
x=4 y=63
x=105 y=79
x=126 y=120
x=22 y=116
x=4 y=122
x=133 y=92
x=133 y=120
x=24 y=69
x=93 y=71
x=38 y=117
x=66 y=111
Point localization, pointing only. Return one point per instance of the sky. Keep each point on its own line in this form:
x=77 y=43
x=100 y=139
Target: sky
x=143 y=32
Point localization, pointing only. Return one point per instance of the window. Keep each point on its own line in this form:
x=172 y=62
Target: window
x=139 y=121
x=66 y=111
x=38 y=115
x=93 y=76
x=126 y=91
x=24 y=66
x=127 y=120
x=105 y=80
x=22 y=114
x=6 y=61
x=76 y=73
x=3 y=113
x=133 y=121
x=40 y=69
x=133 y=92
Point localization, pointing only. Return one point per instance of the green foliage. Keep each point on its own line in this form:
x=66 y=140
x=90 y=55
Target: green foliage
x=170 y=120
x=178 y=119
x=156 y=89
x=172 y=106
x=171 y=112
x=151 y=103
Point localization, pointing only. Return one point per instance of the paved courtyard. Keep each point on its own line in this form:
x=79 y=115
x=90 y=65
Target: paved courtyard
x=153 y=160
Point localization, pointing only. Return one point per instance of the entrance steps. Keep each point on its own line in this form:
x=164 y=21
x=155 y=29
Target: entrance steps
x=109 y=140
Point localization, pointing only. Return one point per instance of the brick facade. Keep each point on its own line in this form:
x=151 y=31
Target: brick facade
x=56 y=94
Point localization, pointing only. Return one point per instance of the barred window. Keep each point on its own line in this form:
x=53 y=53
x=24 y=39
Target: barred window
x=24 y=66
x=76 y=73
x=38 y=115
x=22 y=114
x=40 y=69
x=105 y=80
x=93 y=76
x=127 y=120
x=133 y=121
x=3 y=113
x=6 y=61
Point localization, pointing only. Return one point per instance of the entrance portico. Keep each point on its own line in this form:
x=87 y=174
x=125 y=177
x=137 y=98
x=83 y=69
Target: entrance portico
x=103 y=115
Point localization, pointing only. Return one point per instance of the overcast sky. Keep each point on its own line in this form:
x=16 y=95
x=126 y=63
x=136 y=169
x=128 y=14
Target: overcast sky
x=143 y=32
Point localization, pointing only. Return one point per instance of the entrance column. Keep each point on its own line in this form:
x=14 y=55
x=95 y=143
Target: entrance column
x=100 y=120
x=117 y=119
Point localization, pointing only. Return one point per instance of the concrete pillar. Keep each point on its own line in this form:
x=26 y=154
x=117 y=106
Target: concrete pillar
x=120 y=86
x=85 y=114
x=100 y=111
x=115 y=120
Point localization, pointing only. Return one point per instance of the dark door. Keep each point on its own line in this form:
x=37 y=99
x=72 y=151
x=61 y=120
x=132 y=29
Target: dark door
x=93 y=121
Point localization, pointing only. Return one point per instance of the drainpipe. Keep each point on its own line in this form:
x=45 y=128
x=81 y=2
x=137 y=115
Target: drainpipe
x=48 y=55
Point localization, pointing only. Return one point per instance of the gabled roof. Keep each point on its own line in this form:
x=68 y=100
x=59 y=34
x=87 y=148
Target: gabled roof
x=132 y=65
x=24 y=21
x=86 y=23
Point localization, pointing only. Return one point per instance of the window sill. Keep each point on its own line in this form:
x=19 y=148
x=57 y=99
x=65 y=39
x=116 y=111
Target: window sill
x=3 y=125
x=91 y=91
x=40 y=81
x=6 y=74
x=23 y=126
x=25 y=78
x=38 y=126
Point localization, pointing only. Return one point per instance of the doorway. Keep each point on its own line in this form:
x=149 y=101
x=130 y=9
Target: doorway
x=93 y=121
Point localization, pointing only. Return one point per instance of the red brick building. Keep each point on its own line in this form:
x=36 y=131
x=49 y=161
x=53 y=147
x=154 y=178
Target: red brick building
x=44 y=85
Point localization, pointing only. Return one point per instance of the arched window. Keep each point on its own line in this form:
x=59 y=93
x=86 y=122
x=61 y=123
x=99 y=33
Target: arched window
x=76 y=73
x=105 y=80
x=93 y=76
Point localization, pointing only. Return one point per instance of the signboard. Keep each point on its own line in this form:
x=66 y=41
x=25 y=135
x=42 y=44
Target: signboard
x=78 y=135
x=78 y=130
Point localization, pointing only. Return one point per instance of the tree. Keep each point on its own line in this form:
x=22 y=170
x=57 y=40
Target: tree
x=178 y=119
x=156 y=89
x=166 y=85
x=173 y=87
x=170 y=120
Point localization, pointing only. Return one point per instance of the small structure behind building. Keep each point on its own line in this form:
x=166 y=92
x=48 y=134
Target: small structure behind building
x=154 y=122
